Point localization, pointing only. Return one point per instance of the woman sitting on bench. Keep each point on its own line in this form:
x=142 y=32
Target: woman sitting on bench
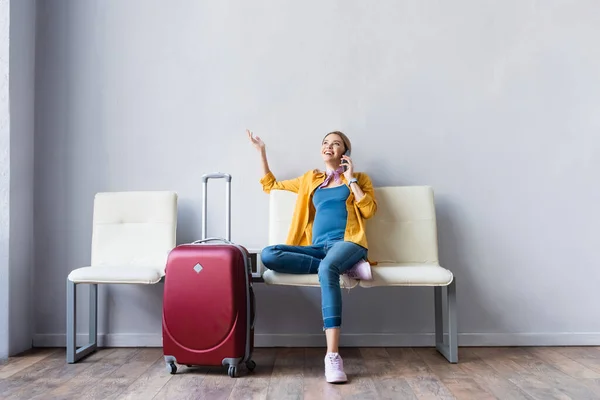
x=327 y=234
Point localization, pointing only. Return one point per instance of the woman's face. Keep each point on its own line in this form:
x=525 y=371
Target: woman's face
x=332 y=148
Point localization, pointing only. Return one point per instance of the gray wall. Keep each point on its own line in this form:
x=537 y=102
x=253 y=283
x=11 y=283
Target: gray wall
x=17 y=82
x=494 y=104
x=4 y=177
x=22 y=99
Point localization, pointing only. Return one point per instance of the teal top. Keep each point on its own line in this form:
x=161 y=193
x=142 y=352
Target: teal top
x=331 y=214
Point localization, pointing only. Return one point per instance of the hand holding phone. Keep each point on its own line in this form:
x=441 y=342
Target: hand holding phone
x=347 y=165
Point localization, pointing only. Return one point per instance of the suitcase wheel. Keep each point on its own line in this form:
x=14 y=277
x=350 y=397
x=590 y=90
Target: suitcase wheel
x=251 y=365
x=171 y=368
x=232 y=371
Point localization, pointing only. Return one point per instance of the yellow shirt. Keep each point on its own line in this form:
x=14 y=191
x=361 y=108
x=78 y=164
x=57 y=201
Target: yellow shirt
x=300 y=232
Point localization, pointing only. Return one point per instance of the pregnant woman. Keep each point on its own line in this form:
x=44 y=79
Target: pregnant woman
x=327 y=234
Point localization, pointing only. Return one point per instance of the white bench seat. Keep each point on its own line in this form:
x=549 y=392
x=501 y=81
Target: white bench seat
x=403 y=242
x=118 y=274
x=309 y=280
x=384 y=274
x=408 y=274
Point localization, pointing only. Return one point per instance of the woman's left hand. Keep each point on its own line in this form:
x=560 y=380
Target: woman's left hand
x=347 y=162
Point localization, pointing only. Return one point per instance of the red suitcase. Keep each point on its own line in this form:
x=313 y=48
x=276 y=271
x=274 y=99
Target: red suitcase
x=208 y=300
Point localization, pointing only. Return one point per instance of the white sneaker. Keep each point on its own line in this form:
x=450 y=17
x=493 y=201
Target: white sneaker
x=361 y=270
x=346 y=282
x=334 y=368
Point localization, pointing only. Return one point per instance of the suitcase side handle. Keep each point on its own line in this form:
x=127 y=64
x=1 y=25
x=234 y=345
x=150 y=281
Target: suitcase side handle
x=205 y=178
x=253 y=300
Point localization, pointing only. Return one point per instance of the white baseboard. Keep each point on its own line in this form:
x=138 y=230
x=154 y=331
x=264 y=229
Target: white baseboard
x=110 y=340
x=529 y=339
x=346 y=340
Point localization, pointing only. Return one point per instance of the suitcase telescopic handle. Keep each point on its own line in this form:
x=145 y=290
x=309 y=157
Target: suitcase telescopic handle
x=216 y=175
x=205 y=178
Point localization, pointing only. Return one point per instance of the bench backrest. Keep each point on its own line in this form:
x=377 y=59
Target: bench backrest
x=404 y=229
x=133 y=228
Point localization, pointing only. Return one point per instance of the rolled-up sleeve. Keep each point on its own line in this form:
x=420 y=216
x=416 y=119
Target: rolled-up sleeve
x=269 y=182
x=367 y=205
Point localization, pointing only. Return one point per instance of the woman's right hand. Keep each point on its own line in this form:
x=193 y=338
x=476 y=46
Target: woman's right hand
x=256 y=141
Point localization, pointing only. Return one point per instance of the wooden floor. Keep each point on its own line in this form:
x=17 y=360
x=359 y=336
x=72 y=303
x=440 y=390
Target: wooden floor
x=297 y=373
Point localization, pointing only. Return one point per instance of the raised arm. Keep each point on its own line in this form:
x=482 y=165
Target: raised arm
x=268 y=181
x=260 y=146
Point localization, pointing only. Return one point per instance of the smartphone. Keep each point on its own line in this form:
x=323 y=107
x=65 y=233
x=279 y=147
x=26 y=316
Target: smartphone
x=347 y=153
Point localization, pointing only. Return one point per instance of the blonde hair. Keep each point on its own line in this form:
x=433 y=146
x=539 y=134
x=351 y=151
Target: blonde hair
x=347 y=143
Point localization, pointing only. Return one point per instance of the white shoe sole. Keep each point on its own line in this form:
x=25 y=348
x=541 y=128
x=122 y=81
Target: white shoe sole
x=339 y=379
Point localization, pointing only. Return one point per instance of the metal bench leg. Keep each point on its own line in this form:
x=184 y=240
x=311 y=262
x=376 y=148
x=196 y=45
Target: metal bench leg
x=73 y=353
x=448 y=348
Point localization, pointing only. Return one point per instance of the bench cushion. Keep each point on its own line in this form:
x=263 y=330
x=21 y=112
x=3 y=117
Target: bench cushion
x=276 y=278
x=389 y=274
x=117 y=274
x=383 y=275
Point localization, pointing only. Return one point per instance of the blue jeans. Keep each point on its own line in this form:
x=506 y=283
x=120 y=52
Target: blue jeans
x=329 y=260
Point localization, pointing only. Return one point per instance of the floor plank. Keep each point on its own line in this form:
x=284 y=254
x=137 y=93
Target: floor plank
x=487 y=377
x=287 y=379
x=564 y=363
x=519 y=373
x=360 y=381
x=452 y=376
x=13 y=365
x=43 y=376
x=99 y=365
x=421 y=379
x=186 y=384
x=389 y=383
x=148 y=384
x=255 y=385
